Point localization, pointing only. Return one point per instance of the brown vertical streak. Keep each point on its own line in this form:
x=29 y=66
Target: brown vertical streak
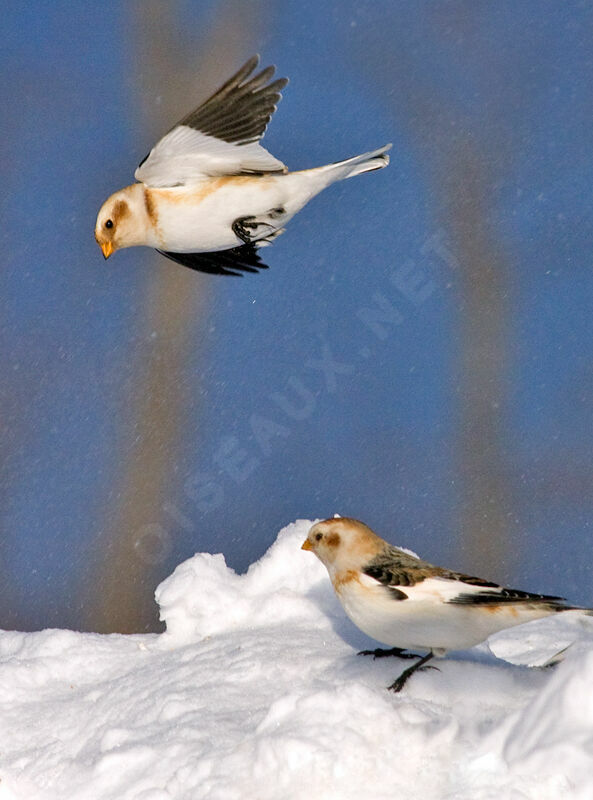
x=121 y=597
x=151 y=210
x=460 y=169
x=484 y=285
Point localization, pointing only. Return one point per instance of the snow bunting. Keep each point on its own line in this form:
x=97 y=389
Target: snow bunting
x=403 y=601
x=209 y=194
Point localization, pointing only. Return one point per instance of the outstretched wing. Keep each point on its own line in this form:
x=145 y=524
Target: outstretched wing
x=222 y=262
x=221 y=137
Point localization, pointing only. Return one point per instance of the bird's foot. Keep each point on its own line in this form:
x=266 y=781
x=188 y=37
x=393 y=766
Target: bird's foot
x=241 y=228
x=261 y=228
x=399 y=683
x=398 y=652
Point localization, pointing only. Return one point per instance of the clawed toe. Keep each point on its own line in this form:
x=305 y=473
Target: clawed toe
x=240 y=228
x=399 y=683
x=260 y=228
x=380 y=652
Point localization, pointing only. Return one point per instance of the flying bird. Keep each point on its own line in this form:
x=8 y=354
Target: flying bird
x=407 y=603
x=208 y=194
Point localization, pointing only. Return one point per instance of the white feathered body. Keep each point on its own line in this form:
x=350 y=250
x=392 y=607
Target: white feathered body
x=202 y=216
x=427 y=619
x=199 y=216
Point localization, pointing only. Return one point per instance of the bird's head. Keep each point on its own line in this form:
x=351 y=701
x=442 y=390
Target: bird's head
x=342 y=543
x=120 y=221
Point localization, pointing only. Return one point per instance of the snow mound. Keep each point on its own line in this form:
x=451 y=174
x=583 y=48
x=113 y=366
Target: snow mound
x=542 y=640
x=204 y=597
x=256 y=691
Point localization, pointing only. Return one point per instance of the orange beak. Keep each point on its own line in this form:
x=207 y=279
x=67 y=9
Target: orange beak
x=107 y=248
x=306 y=545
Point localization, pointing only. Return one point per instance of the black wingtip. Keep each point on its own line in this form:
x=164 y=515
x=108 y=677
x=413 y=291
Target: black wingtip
x=246 y=70
x=233 y=262
x=240 y=110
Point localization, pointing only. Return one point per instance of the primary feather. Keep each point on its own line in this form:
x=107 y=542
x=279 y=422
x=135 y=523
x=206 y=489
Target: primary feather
x=221 y=136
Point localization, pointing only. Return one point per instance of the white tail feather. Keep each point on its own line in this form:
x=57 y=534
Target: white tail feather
x=366 y=162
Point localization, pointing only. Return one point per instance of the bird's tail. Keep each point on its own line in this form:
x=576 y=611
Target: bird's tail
x=340 y=170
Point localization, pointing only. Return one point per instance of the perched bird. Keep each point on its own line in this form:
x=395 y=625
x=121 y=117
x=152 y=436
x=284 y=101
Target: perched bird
x=403 y=601
x=209 y=194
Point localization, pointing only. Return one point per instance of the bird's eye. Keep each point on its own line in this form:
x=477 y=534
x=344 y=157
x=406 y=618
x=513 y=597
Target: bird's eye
x=109 y=223
x=318 y=537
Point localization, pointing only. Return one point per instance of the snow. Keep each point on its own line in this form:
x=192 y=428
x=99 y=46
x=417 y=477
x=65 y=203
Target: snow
x=255 y=692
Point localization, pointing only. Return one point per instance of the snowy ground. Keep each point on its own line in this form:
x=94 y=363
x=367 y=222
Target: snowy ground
x=255 y=692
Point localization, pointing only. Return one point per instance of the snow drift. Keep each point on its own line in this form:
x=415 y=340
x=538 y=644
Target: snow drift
x=255 y=691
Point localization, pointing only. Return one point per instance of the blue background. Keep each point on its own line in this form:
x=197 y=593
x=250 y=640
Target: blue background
x=470 y=443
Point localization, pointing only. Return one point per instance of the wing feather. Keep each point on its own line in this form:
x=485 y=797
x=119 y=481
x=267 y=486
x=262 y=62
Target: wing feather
x=398 y=570
x=221 y=136
x=222 y=262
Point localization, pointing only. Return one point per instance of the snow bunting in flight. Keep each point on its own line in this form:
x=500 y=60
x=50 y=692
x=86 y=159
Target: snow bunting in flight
x=208 y=193
x=407 y=603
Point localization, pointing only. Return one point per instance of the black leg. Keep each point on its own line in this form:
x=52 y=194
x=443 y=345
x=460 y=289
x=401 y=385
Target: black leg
x=240 y=228
x=398 y=652
x=400 y=682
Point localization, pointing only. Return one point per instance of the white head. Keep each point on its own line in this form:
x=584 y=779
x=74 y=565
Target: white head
x=343 y=544
x=122 y=220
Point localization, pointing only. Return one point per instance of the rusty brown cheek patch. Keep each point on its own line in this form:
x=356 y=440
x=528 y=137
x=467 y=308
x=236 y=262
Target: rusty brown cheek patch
x=120 y=210
x=333 y=540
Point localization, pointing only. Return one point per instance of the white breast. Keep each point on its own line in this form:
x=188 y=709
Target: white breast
x=425 y=620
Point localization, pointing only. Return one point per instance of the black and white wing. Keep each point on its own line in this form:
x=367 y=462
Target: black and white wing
x=235 y=261
x=408 y=577
x=221 y=137
x=474 y=592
